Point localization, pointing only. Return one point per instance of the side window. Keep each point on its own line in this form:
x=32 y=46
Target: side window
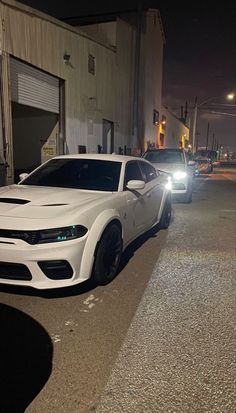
x=132 y=172
x=148 y=171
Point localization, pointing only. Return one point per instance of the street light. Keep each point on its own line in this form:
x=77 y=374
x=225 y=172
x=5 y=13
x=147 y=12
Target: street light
x=230 y=96
x=197 y=105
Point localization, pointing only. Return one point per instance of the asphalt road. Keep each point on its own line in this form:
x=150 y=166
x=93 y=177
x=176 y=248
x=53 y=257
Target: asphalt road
x=158 y=339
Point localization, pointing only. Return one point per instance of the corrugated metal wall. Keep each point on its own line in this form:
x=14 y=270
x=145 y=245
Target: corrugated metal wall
x=6 y=112
x=43 y=43
x=124 y=85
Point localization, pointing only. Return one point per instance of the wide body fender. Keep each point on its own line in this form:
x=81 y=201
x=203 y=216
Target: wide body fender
x=166 y=194
x=95 y=233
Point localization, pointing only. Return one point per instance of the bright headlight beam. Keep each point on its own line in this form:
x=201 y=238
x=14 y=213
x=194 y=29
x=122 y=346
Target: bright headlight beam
x=168 y=185
x=179 y=175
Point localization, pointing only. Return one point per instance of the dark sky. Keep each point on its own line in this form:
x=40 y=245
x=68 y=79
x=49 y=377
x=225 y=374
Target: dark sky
x=199 y=55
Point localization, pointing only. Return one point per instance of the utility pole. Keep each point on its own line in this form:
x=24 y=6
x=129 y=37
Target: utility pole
x=186 y=112
x=194 y=126
x=213 y=142
x=197 y=105
x=207 y=135
x=196 y=142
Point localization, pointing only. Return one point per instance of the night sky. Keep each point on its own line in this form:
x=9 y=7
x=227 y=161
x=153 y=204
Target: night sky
x=199 y=56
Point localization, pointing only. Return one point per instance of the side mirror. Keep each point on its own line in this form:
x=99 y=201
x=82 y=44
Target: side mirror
x=23 y=176
x=135 y=185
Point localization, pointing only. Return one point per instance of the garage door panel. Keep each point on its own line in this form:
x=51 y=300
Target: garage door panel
x=33 y=87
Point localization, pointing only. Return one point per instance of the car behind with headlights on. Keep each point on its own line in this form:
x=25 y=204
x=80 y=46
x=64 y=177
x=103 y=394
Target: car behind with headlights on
x=175 y=162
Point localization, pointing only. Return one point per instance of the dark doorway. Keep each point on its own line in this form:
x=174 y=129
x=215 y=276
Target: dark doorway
x=107 y=136
x=35 y=137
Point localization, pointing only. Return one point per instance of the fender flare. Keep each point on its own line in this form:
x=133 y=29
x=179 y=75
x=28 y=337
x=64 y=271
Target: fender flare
x=95 y=233
x=166 y=195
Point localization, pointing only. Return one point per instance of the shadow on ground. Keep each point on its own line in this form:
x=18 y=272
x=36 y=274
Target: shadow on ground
x=26 y=353
x=135 y=245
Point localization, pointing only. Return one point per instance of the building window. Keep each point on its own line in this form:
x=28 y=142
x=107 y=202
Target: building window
x=91 y=64
x=155 y=117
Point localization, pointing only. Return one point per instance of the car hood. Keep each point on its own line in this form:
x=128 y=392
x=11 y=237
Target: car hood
x=34 y=202
x=170 y=167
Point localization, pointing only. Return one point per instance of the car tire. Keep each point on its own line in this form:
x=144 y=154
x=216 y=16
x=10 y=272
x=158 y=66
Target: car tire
x=107 y=256
x=166 y=214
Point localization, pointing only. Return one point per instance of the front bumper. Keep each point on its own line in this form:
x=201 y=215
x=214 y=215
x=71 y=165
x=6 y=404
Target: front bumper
x=179 y=187
x=18 y=253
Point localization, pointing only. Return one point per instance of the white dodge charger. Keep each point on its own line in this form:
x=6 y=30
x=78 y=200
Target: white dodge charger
x=70 y=219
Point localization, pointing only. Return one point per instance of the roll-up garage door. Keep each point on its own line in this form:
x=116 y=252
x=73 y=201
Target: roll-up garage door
x=33 y=87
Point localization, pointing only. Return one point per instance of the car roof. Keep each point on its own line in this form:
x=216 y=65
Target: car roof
x=100 y=156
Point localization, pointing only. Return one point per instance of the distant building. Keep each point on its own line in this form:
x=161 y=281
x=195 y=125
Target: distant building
x=174 y=133
x=68 y=90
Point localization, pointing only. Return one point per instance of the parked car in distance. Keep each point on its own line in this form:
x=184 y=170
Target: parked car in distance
x=204 y=166
x=71 y=218
x=210 y=154
x=176 y=163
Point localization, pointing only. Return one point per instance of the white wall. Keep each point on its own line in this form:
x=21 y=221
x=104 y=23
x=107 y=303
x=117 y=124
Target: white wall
x=104 y=33
x=1 y=133
x=153 y=52
x=124 y=82
x=2 y=160
x=42 y=41
x=175 y=130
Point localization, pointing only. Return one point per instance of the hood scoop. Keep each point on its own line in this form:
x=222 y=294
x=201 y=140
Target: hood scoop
x=14 y=201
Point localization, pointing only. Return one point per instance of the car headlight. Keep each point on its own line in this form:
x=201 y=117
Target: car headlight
x=61 y=234
x=179 y=175
x=46 y=235
x=168 y=185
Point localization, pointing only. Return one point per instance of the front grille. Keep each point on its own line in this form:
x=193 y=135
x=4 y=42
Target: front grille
x=178 y=186
x=13 y=271
x=31 y=237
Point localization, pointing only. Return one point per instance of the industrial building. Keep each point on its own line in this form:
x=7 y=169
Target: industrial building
x=67 y=89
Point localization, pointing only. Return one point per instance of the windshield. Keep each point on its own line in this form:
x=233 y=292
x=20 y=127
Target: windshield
x=206 y=154
x=90 y=174
x=200 y=161
x=164 y=156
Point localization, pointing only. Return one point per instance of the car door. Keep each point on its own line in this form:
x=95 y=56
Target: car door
x=137 y=205
x=154 y=190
